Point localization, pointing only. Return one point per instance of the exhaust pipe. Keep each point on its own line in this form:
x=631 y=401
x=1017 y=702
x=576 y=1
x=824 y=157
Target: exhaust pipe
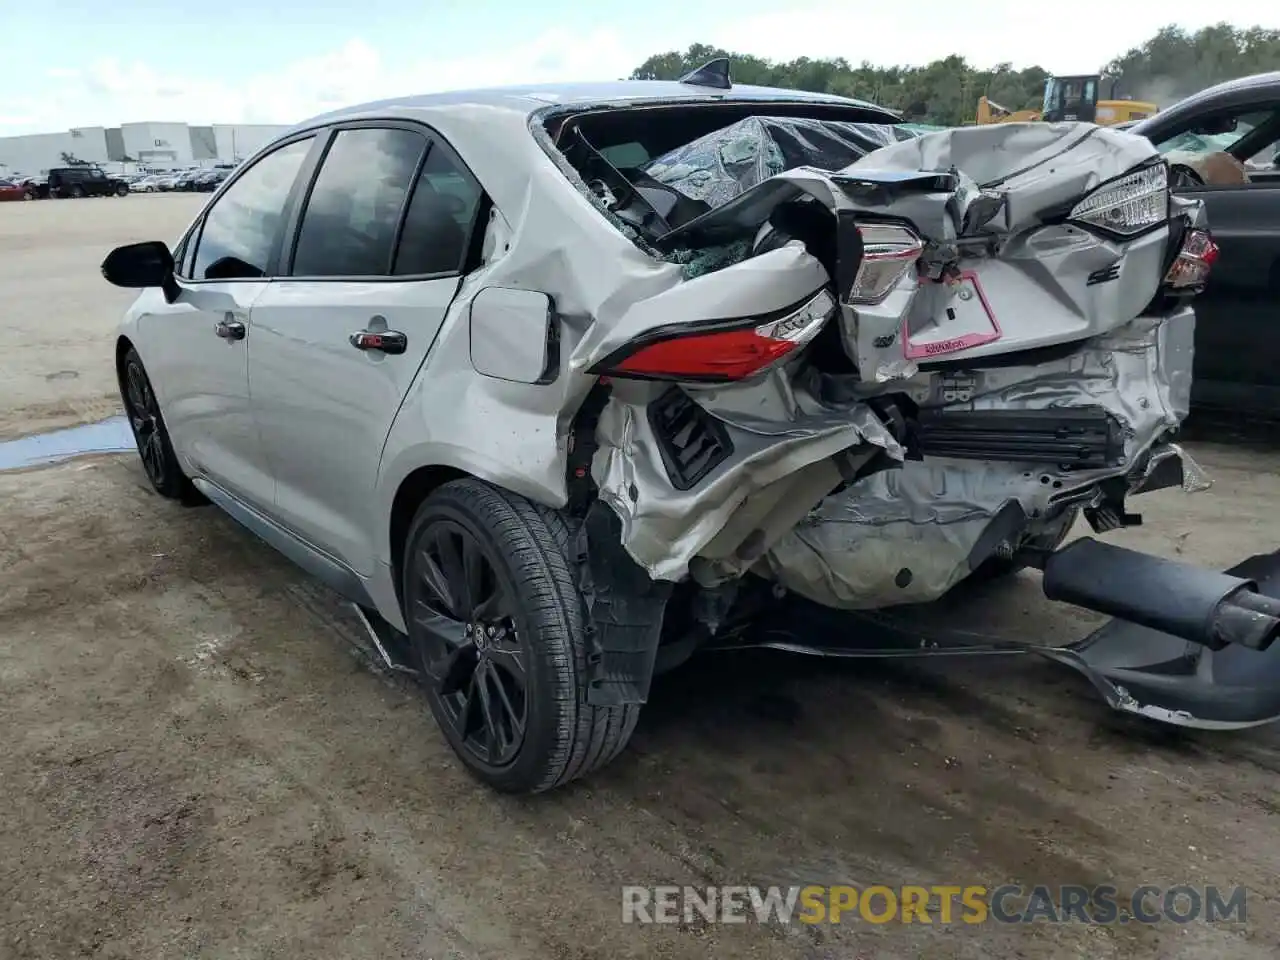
x=1202 y=606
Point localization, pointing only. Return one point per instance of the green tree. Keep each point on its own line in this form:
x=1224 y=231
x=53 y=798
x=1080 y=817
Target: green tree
x=1169 y=66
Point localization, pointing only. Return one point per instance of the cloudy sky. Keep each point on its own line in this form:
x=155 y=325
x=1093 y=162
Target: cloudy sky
x=280 y=61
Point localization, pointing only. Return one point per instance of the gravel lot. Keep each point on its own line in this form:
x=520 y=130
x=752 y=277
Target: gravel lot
x=196 y=764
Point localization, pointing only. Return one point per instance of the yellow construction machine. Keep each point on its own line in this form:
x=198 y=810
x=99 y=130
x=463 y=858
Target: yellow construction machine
x=1091 y=98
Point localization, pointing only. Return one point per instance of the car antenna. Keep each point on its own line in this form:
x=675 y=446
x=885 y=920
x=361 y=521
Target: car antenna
x=713 y=73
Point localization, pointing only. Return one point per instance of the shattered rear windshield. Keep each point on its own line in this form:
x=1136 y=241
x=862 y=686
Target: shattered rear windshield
x=725 y=163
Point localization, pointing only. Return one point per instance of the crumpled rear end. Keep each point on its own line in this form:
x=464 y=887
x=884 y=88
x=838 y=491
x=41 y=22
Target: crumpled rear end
x=909 y=535
x=1029 y=361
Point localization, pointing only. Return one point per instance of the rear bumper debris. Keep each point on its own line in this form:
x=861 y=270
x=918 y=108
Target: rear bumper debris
x=1142 y=670
x=1146 y=671
x=910 y=534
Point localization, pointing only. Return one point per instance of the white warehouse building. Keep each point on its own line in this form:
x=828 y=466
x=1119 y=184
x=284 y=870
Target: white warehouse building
x=134 y=145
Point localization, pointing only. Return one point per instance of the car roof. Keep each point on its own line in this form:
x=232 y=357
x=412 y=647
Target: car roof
x=1223 y=96
x=526 y=100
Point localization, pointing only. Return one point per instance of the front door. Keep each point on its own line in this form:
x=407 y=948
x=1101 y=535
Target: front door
x=198 y=347
x=339 y=338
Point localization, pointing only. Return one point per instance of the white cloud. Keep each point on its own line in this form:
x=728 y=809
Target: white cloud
x=109 y=91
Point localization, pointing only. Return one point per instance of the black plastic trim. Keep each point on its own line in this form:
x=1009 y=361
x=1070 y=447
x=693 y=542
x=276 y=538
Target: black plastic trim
x=625 y=608
x=680 y=426
x=1077 y=438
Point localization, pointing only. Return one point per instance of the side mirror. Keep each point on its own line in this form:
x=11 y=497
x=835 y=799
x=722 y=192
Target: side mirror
x=146 y=264
x=514 y=335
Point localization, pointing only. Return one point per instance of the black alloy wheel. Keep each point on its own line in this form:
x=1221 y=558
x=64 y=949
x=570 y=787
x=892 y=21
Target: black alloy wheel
x=142 y=408
x=498 y=630
x=144 y=420
x=469 y=645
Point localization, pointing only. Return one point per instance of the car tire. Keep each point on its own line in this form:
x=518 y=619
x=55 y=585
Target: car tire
x=155 y=448
x=122 y=191
x=77 y=192
x=29 y=195
x=503 y=660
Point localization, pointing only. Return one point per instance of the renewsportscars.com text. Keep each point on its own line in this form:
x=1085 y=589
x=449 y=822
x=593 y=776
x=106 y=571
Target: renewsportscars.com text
x=972 y=904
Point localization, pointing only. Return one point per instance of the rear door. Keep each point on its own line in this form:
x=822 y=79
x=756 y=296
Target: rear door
x=377 y=255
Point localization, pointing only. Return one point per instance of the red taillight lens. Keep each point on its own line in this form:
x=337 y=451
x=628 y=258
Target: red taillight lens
x=730 y=354
x=1194 y=261
x=725 y=353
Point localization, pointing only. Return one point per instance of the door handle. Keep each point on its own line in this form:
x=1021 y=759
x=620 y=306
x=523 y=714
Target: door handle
x=229 y=328
x=384 y=341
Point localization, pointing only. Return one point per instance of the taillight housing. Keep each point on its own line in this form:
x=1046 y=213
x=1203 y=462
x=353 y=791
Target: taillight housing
x=1129 y=205
x=1190 y=268
x=889 y=251
x=722 y=351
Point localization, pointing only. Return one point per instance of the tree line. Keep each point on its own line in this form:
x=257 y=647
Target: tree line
x=1171 y=65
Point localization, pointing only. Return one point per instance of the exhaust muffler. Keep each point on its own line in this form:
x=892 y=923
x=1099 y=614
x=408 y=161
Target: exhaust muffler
x=1202 y=606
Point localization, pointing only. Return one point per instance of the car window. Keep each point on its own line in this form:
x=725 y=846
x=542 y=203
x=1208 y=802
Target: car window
x=240 y=229
x=626 y=156
x=349 y=225
x=1196 y=143
x=1214 y=154
x=438 y=226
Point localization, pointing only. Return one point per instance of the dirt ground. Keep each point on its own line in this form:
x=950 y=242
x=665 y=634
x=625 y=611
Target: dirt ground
x=197 y=763
x=51 y=291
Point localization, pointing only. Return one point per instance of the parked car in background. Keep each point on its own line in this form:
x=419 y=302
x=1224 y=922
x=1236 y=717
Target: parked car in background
x=1223 y=147
x=164 y=182
x=145 y=184
x=84 y=181
x=35 y=188
x=190 y=179
x=12 y=190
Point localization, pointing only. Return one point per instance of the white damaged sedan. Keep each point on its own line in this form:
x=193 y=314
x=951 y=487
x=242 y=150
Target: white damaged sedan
x=556 y=385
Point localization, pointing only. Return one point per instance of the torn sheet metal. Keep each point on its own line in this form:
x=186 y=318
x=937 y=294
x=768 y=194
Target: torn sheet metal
x=663 y=528
x=979 y=197
x=909 y=535
x=1063 y=159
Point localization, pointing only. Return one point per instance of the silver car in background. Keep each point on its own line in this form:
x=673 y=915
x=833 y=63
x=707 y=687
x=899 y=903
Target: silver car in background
x=548 y=380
